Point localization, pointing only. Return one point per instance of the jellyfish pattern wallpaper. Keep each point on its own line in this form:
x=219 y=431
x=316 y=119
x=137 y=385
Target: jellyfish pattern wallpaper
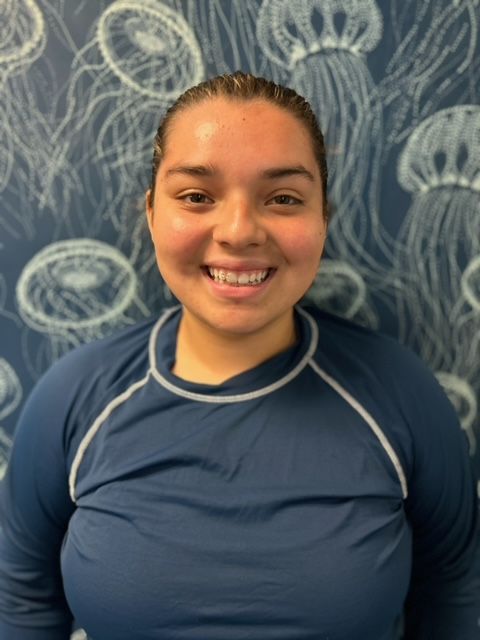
x=396 y=87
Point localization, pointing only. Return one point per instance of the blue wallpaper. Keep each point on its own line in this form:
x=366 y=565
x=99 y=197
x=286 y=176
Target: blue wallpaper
x=396 y=86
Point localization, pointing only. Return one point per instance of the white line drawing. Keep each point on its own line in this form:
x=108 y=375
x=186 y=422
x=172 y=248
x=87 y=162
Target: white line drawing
x=150 y=48
x=448 y=143
x=440 y=308
x=5 y=446
x=74 y=291
x=435 y=57
x=141 y=56
x=341 y=290
x=22 y=41
x=10 y=389
x=463 y=398
x=439 y=166
x=226 y=32
x=323 y=45
x=470 y=282
x=22 y=36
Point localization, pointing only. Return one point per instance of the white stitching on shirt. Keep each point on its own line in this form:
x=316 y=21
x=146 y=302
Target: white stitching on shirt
x=241 y=397
x=92 y=431
x=369 y=420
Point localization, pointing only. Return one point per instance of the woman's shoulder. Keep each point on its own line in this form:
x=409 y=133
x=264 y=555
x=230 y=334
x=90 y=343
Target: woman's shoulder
x=380 y=371
x=80 y=383
x=343 y=337
x=106 y=357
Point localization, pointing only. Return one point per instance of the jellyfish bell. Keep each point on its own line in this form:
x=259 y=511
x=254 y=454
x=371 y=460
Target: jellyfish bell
x=150 y=48
x=322 y=43
x=22 y=33
x=443 y=150
x=10 y=389
x=339 y=289
x=75 y=285
x=70 y=275
x=145 y=37
x=289 y=32
x=354 y=26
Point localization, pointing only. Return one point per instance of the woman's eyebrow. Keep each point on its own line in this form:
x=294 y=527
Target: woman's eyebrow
x=283 y=172
x=191 y=170
x=273 y=173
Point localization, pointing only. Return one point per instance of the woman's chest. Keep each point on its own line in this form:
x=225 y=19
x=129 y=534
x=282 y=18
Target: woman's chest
x=249 y=525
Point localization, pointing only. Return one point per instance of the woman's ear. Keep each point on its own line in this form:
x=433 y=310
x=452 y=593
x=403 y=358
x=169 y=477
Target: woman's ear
x=149 y=209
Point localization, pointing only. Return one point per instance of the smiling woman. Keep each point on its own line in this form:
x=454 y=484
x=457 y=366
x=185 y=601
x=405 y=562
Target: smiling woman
x=242 y=466
x=238 y=234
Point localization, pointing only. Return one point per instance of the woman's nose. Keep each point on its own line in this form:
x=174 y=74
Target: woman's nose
x=239 y=225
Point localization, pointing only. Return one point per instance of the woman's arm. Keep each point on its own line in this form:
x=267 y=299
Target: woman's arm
x=443 y=509
x=34 y=511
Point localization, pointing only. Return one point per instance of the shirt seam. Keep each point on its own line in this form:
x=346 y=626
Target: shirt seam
x=371 y=422
x=241 y=397
x=94 y=428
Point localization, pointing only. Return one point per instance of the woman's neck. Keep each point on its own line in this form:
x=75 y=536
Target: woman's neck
x=209 y=356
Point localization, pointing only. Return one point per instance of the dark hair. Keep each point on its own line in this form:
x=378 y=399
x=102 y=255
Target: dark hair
x=244 y=86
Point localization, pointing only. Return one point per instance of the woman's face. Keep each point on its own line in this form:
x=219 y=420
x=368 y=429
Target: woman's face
x=237 y=219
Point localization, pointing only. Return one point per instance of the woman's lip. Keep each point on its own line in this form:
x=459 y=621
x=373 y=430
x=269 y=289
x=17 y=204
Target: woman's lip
x=237 y=267
x=227 y=290
x=207 y=270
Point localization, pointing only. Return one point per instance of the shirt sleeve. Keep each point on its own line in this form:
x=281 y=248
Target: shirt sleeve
x=444 y=598
x=34 y=512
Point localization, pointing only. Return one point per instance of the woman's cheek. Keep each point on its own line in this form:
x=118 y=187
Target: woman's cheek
x=305 y=244
x=179 y=236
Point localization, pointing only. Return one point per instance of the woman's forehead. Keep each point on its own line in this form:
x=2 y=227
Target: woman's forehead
x=218 y=123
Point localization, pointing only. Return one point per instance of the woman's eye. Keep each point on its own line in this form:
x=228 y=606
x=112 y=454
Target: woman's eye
x=196 y=198
x=285 y=199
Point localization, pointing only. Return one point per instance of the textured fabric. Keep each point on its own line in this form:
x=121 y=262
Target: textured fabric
x=310 y=497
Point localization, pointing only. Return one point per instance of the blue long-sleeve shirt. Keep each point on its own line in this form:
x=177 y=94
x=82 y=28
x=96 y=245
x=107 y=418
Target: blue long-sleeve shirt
x=322 y=495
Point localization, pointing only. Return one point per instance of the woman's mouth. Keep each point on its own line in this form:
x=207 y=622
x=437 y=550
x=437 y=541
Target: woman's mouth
x=242 y=278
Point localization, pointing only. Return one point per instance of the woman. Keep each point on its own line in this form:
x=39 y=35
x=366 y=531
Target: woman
x=241 y=467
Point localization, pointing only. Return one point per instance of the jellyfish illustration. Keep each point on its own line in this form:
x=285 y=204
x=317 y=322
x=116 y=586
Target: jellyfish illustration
x=22 y=35
x=470 y=281
x=10 y=389
x=464 y=399
x=10 y=398
x=435 y=60
x=139 y=58
x=75 y=291
x=22 y=40
x=226 y=32
x=441 y=231
x=150 y=48
x=6 y=150
x=465 y=322
x=323 y=43
x=341 y=290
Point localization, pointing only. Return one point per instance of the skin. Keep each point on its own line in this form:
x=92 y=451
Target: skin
x=220 y=201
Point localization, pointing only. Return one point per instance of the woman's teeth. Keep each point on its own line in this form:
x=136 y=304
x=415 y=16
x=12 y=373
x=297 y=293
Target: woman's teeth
x=238 y=278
